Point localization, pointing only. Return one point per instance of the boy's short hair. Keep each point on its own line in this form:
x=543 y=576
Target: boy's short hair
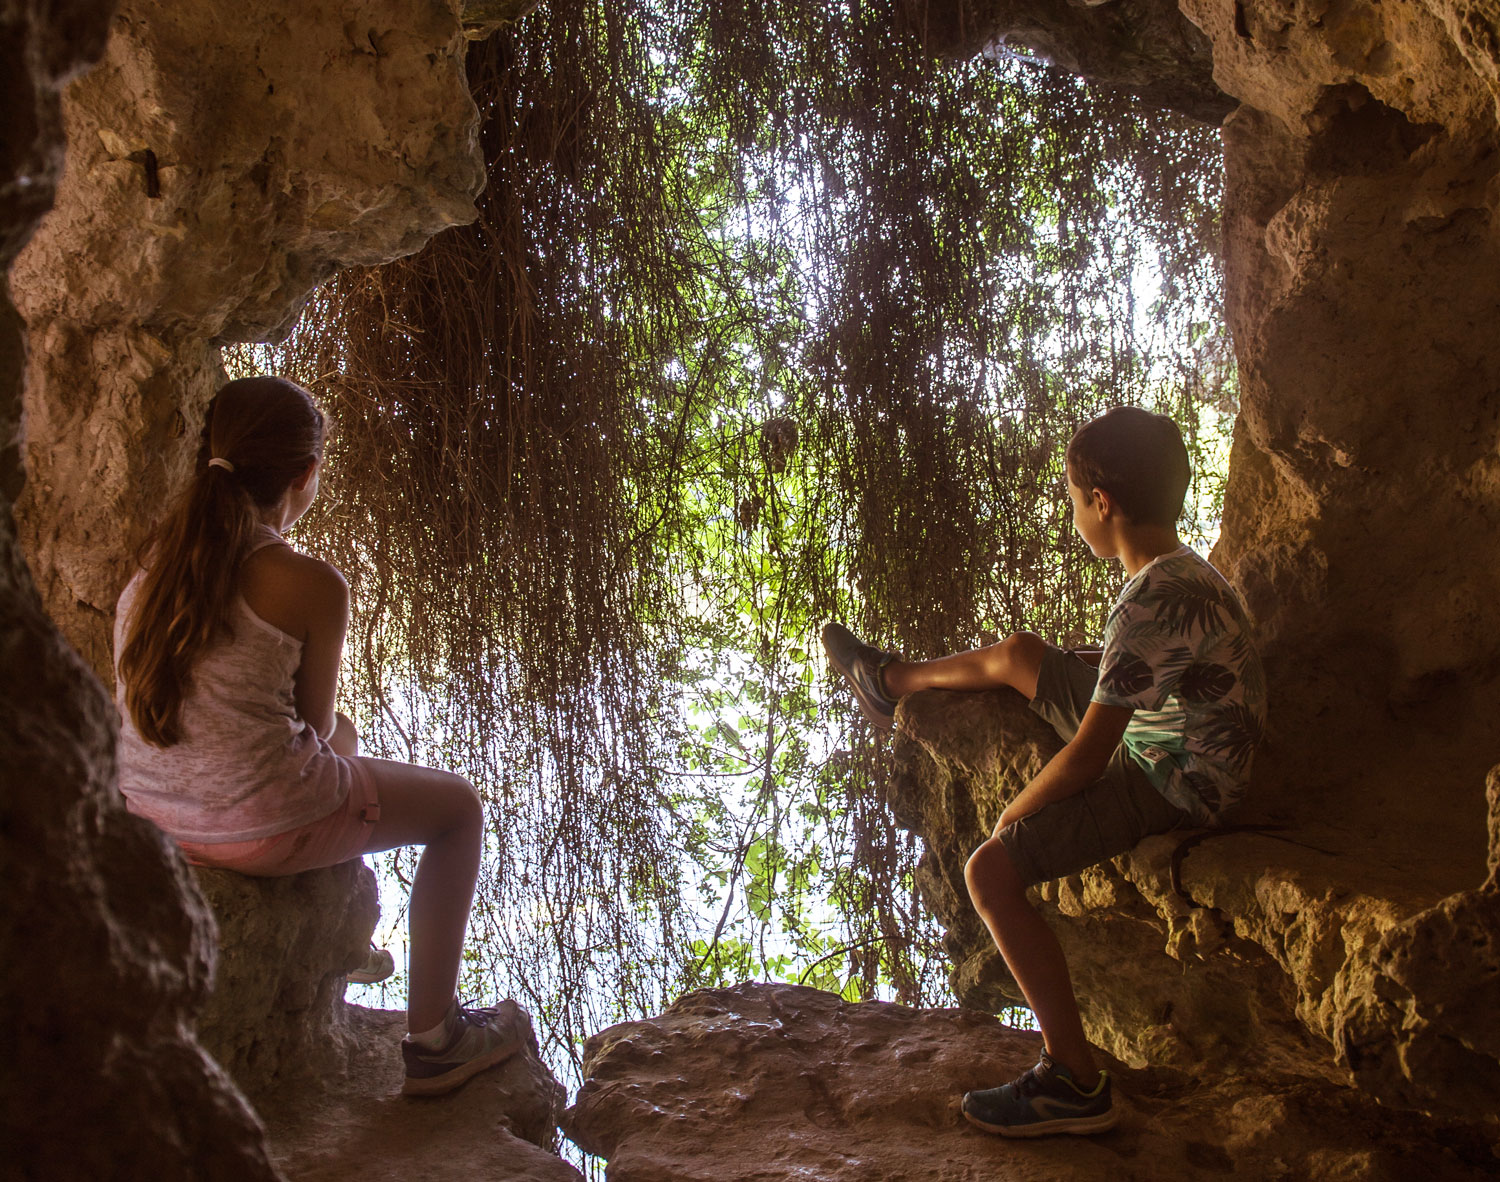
x=1138 y=458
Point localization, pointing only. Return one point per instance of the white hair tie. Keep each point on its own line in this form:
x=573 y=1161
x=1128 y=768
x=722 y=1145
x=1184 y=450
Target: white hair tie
x=218 y=462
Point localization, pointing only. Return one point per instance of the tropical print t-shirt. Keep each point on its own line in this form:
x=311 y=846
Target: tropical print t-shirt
x=1177 y=651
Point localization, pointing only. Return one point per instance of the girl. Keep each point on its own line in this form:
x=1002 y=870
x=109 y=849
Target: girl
x=228 y=646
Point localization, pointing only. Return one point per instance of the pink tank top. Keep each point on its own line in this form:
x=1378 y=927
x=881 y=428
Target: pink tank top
x=247 y=765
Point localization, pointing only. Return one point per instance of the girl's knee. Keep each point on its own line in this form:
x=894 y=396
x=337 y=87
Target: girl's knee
x=469 y=804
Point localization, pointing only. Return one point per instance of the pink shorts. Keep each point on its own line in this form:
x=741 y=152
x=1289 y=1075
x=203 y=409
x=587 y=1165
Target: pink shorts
x=338 y=837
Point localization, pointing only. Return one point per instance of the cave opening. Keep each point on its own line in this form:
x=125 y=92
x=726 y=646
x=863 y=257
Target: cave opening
x=765 y=321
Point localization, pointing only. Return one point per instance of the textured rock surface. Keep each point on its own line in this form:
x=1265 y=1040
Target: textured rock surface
x=1363 y=261
x=325 y=1076
x=222 y=163
x=1294 y=951
x=1147 y=47
x=501 y=1125
x=107 y=943
x=276 y=1018
x=770 y=1082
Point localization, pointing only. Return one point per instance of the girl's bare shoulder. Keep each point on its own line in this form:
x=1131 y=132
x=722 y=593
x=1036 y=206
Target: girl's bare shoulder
x=293 y=591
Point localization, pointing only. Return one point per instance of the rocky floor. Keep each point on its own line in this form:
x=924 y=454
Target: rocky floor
x=365 y=1130
x=775 y=1083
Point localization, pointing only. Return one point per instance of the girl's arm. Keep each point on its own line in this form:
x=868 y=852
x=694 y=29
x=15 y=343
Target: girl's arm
x=325 y=612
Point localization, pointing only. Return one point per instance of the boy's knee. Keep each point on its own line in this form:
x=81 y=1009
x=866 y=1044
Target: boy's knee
x=1018 y=651
x=1025 y=647
x=990 y=877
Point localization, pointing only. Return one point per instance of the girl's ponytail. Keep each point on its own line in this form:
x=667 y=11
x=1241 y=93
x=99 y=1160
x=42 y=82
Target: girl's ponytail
x=262 y=434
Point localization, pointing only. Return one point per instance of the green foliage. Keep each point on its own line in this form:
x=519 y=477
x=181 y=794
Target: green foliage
x=767 y=320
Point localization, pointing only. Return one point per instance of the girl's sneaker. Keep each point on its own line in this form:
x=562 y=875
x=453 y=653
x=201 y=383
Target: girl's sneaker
x=379 y=965
x=477 y=1039
x=861 y=664
x=1044 y=1100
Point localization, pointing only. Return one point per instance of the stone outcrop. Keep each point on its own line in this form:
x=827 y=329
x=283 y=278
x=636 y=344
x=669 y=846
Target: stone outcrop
x=1283 y=950
x=276 y=1019
x=500 y=1126
x=108 y=946
x=1146 y=47
x=772 y=1082
x=1363 y=267
x=220 y=166
x=325 y=1077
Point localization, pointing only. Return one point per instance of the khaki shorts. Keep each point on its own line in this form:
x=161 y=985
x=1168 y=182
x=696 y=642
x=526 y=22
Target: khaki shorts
x=1105 y=819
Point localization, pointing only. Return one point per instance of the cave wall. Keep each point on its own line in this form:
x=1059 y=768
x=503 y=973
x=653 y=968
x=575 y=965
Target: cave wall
x=221 y=165
x=108 y=947
x=1363 y=267
x=220 y=162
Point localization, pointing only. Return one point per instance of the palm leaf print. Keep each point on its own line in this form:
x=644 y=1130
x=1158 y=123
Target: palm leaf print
x=1188 y=604
x=1126 y=676
x=1233 y=735
x=1204 y=681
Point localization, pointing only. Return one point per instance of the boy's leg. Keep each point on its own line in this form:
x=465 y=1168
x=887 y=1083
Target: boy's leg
x=1033 y=955
x=1015 y=662
x=1063 y=838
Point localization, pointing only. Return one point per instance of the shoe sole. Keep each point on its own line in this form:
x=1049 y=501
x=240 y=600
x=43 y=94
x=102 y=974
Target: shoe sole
x=876 y=716
x=441 y=1084
x=1073 y=1124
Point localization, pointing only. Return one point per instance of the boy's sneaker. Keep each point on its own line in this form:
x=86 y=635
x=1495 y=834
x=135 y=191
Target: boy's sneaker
x=379 y=964
x=861 y=664
x=477 y=1039
x=1044 y=1100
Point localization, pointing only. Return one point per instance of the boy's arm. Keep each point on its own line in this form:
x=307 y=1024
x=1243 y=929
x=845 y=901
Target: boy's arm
x=1076 y=766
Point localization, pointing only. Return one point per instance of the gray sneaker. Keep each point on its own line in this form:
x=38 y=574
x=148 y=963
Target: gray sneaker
x=478 y=1039
x=379 y=965
x=861 y=665
x=1044 y=1100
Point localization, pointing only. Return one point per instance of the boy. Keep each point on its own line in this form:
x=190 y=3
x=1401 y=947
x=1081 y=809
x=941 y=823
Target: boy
x=1160 y=727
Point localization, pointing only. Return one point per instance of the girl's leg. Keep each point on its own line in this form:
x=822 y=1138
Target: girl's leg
x=441 y=811
x=1015 y=662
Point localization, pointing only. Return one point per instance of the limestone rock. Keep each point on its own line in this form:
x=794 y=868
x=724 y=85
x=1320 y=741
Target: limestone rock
x=222 y=162
x=108 y=946
x=1296 y=950
x=768 y=1082
x=501 y=1125
x=1363 y=283
x=1362 y=260
x=326 y=1076
x=1146 y=47
x=276 y=1019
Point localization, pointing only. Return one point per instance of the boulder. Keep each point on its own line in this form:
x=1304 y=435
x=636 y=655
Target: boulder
x=276 y=1019
x=501 y=1125
x=775 y=1083
x=326 y=1076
